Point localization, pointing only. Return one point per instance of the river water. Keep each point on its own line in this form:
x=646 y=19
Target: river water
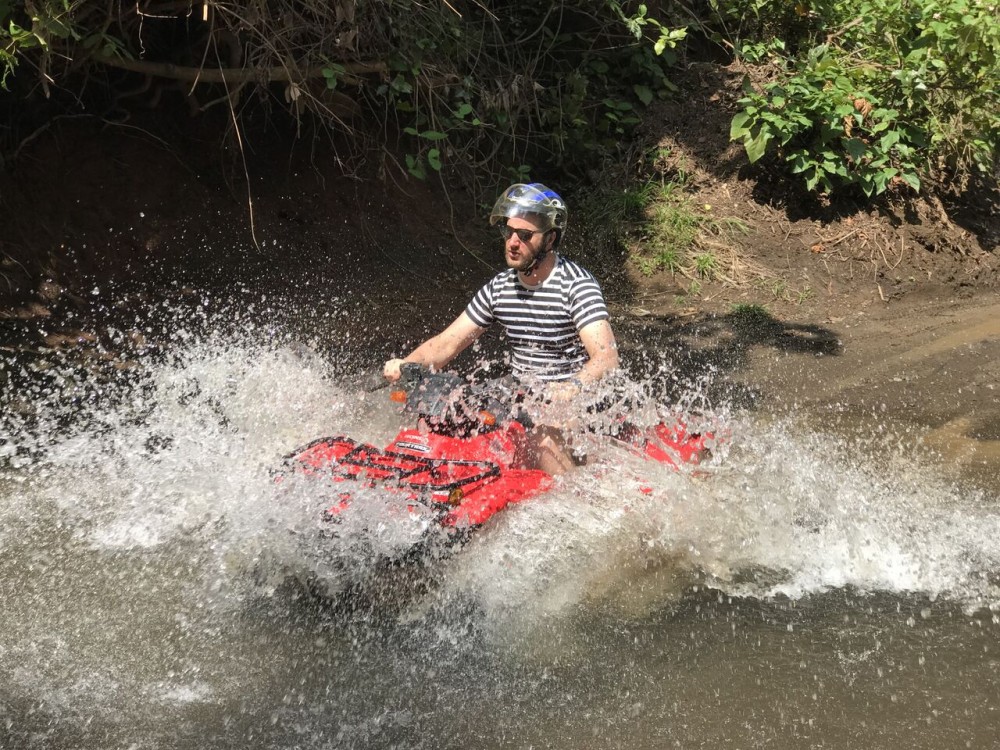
x=806 y=588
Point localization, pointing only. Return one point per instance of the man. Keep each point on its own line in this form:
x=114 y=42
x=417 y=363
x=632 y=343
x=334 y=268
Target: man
x=552 y=310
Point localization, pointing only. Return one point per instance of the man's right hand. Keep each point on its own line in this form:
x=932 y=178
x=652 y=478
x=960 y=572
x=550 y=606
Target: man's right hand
x=390 y=371
x=563 y=391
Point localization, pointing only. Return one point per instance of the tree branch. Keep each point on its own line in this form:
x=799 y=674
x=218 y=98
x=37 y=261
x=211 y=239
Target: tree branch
x=352 y=75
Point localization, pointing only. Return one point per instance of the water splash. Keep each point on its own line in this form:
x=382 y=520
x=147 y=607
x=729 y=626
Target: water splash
x=186 y=448
x=144 y=543
x=782 y=512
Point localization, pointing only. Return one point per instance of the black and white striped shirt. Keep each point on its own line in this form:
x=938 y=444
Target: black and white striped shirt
x=542 y=323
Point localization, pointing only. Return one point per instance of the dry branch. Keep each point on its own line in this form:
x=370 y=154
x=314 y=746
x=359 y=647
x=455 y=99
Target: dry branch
x=354 y=71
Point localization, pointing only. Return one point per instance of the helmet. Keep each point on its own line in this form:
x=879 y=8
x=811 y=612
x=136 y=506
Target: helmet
x=531 y=201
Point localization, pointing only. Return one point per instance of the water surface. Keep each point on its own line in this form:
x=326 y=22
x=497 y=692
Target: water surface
x=808 y=588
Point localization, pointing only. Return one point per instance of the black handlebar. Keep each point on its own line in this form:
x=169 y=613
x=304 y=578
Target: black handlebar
x=452 y=405
x=373 y=381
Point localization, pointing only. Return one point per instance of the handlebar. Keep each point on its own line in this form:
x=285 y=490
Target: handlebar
x=373 y=381
x=449 y=403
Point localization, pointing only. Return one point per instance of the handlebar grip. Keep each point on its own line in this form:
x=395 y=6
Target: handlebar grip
x=411 y=372
x=373 y=381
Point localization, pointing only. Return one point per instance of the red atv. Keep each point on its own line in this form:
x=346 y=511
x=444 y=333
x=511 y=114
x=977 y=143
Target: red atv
x=463 y=460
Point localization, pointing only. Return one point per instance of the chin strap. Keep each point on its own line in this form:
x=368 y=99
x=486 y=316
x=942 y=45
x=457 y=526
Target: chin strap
x=541 y=256
x=534 y=264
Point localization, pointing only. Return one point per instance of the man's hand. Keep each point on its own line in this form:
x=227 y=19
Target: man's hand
x=390 y=371
x=563 y=391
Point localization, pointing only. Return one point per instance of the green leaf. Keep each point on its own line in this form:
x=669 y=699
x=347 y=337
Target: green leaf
x=889 y=140
x=881 y=179
x=401 y=85
x=738 y=128
x=415 y=167
x=757 y=146
x=332 y=74
x=799 y=163
x=855 y=147
x=434 y=159
x=644 y=93
x=433 y=135
x=911 y=179
x=618 y=105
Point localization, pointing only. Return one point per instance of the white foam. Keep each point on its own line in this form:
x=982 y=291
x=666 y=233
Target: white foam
x=184 y=449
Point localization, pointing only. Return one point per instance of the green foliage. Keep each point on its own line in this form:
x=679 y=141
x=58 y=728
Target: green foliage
x=748 y=318
x=560 y=86
x=668 y=260
x=706 y=265
x=332 y=74
x=871 y=95
x=672 y=227
x=829 y=130
x=749 y=311
x=44 y=29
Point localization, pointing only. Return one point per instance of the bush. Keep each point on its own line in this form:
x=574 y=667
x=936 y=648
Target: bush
x=875 y=94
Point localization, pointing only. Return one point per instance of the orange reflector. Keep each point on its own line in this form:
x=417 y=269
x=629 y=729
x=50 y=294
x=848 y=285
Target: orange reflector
x=455 y=496
x=398 y=396
x=488 y=419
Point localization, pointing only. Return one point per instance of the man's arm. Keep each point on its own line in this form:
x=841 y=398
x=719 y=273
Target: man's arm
x=599 y=341
x=439 y=350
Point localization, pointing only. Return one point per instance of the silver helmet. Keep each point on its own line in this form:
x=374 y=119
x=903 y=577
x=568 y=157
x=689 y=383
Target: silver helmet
x=530 y=201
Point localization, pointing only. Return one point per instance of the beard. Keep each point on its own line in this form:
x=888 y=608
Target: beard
x=524 y=261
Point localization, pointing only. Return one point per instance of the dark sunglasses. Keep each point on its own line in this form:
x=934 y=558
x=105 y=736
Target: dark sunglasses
x=524 y=235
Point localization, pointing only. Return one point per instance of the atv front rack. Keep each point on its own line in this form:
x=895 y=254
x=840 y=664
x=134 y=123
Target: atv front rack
x=345 y=458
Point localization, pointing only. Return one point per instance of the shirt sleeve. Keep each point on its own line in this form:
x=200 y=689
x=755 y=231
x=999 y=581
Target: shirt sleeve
x=480 y=309
x=587 y=302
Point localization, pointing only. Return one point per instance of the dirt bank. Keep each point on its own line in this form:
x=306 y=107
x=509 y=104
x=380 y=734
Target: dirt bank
x=890 y=312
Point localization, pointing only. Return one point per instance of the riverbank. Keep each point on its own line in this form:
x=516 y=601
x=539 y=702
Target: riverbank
x=890 y=314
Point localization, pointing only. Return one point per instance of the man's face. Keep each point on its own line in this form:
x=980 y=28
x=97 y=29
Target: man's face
x=521 y=253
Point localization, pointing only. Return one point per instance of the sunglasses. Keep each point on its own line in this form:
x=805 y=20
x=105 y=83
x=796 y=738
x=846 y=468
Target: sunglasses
x=524 y=235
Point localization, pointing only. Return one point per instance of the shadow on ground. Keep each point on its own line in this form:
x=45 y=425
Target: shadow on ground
x=705 y=353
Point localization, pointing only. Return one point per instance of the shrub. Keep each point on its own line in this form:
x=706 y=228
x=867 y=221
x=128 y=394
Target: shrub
x=874 y=94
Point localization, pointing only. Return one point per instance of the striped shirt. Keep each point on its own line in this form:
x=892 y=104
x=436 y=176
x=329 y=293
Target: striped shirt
x=543 y=323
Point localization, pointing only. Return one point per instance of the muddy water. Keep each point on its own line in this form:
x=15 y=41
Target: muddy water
x=806 y=589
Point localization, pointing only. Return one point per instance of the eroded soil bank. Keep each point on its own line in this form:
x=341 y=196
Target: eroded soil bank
x=888 y=315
